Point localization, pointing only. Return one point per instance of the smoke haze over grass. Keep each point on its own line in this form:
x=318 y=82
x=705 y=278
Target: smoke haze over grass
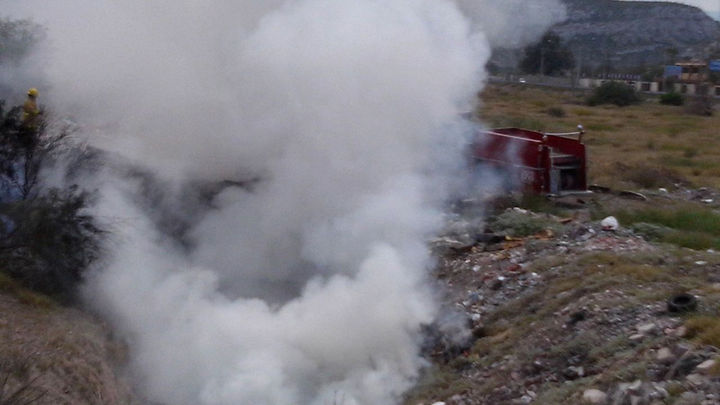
x=308 y=288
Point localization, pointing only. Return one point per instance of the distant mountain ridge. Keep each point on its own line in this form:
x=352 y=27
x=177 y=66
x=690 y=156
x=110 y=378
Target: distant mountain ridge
x=625 y=34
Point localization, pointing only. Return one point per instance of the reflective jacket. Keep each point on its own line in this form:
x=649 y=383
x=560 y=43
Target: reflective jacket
x=30 y=113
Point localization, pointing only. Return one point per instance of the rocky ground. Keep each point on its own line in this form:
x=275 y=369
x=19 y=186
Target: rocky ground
x=565 y=311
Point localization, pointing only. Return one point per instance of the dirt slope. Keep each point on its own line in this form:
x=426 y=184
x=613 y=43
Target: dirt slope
x=55 y=355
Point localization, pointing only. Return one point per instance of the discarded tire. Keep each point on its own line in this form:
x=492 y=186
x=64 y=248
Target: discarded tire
x=682 y=303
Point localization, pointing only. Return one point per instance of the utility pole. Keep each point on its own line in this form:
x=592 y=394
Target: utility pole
x=578 y=72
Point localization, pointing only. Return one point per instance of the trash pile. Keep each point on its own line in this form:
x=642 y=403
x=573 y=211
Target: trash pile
x=571 y=310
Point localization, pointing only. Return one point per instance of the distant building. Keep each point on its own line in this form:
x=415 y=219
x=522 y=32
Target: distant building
x=693 y=72
x=688 y=77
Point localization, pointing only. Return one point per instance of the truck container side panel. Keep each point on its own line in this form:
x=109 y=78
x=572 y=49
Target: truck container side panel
x=536 y=161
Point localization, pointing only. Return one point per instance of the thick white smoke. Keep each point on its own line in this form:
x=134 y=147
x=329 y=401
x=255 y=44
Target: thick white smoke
x=308 y=287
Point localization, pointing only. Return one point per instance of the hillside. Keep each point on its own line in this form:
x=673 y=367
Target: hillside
x=630 y=33
x=625 y=34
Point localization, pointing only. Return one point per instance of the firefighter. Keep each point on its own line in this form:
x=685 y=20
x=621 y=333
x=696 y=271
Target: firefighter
x=31 y=112
x=28 y=134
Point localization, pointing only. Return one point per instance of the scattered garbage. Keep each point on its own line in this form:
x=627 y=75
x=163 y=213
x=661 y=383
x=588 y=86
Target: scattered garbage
x=610 y=224
x=599 y=189
x=519 y=252
x=594 y=396
x=633 y=195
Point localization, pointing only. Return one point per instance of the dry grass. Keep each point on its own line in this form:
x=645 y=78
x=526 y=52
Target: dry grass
x=647 y=135
x=25 y=296
x=704 y=329
x=55 y=353
x=437 y=383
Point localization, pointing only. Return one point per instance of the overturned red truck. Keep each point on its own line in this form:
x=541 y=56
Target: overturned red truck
x=538 y=162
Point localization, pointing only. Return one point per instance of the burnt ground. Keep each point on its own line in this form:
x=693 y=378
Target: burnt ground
x=565 y=312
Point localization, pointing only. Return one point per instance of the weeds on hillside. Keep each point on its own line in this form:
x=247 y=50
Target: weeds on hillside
x=687 y=226
x=521 y=224
x=704 y=329
x=24 y=295
x=557 y=112
x=686 y=218
x=17 y=383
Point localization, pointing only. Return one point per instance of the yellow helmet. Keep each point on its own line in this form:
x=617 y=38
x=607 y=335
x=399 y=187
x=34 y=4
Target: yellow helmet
x=33 y=92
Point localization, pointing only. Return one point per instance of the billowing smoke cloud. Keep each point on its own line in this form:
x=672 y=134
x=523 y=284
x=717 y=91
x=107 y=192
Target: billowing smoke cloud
x=307 y=286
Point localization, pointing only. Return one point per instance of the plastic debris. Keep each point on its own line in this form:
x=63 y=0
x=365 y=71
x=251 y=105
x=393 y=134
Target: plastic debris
x=610 y=224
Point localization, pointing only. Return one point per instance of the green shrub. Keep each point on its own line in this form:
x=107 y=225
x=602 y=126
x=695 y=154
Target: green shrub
x=46 y=237
x=519 y=224
x=616 y=93
x=556 y=112
x=47 y=242
x=672 y=98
